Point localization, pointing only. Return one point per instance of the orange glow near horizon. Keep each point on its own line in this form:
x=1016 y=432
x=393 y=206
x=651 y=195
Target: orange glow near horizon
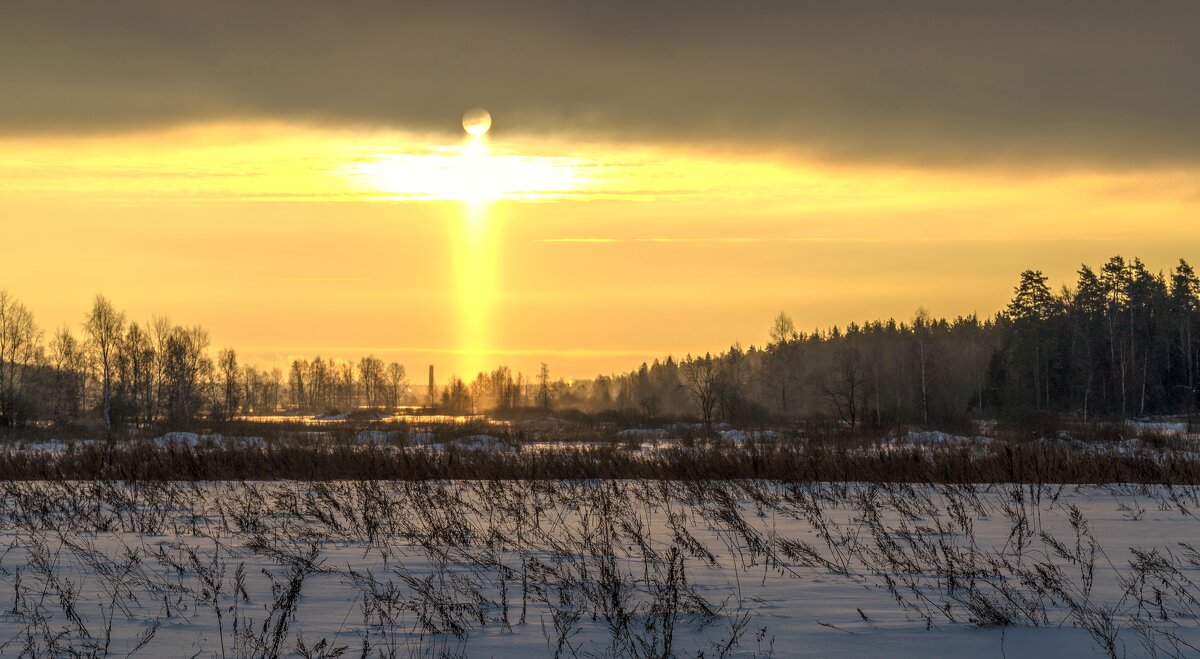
x=293 y=240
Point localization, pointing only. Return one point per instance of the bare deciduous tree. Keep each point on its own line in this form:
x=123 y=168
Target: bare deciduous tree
x=104 y=327
x=69 y=363
x=544 y=386
x=371 y=375
x=230 y=385
x=187 y=368
x=701 y=378
x=844 y=385
x=20 y=349
x=135 y=367
x=397 y=382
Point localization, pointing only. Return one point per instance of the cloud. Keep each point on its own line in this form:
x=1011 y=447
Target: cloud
x=1085 y=83
x=818 y=239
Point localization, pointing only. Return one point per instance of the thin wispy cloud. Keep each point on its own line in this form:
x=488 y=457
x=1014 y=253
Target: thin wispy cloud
x=317 y=279
x=493 y=352
x=814 y=239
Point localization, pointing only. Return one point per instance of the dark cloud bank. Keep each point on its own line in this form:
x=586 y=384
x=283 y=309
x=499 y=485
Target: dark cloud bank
x=1110 y=84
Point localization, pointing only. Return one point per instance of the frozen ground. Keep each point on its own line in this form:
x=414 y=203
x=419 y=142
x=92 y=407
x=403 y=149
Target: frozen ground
x=622 y=568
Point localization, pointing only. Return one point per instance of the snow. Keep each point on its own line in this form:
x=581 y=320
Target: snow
x=938 y=437
x=930 y=439
x=195 y=441
x=188 y=439
x=739 y=437
x=1163 y=427
x=165 y=558
x=420 y=438
x=642 y=434
x=48 y=446
x=377 y=438
x=341 y=416
x=693 y=428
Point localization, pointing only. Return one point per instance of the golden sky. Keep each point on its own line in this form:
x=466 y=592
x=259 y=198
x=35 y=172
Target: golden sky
x=293 y=239
x=660 y=177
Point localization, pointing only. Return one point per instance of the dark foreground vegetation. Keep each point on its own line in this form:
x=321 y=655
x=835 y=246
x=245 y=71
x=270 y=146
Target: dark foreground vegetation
x=964 y=461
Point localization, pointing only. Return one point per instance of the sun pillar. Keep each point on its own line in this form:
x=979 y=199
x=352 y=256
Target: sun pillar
x=476 y=254
x=476 y=286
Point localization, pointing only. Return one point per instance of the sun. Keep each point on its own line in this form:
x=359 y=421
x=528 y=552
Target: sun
x=477 y=122
x=475 y=171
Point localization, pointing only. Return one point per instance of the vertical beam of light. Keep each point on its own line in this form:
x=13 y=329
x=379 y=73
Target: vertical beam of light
x=476 y=263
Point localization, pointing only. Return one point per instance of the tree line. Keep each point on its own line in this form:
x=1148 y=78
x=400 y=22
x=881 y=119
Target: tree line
x=124 y=373
x=1119 y=342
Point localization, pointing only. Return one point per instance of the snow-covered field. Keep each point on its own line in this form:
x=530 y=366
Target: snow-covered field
x=597 y=568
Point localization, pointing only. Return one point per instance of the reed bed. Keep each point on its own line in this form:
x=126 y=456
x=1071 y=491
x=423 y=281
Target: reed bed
x=996 y=462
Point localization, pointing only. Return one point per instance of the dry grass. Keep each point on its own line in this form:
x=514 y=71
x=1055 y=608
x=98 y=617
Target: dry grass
x=997 y=462
x=565 y=554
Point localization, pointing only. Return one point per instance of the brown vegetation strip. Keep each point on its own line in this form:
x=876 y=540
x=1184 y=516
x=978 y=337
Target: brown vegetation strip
x=1034 y=462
